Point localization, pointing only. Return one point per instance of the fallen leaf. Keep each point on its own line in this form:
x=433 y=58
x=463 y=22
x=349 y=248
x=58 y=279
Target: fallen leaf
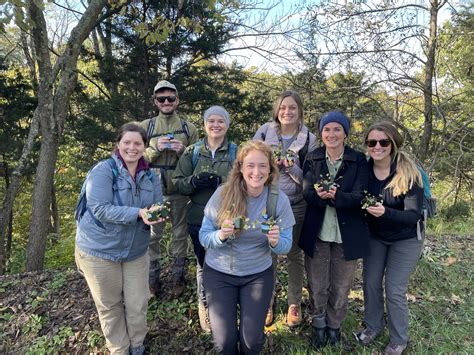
x=411 y=298
x=450 y=260
x=455 y=299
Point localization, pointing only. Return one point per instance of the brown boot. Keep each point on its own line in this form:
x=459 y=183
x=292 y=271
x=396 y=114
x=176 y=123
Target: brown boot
x=204 y=318
x=293 y=317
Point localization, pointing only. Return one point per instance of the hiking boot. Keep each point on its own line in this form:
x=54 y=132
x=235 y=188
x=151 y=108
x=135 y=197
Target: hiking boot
x=269 y=317
x=318 y=338
x=178 y=272
x=293 y=317
x=393 y=349
x=139 y=350
x=366 y=336
x=177 y=289
x=204 y=320
x=155 y=287
x=334 y=336
x=154 y=282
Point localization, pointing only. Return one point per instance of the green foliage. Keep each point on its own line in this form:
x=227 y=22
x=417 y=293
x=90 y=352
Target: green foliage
x=58 y=281
x=95 y=339
x=48 y=345
x=459 y=210
x=33 y=325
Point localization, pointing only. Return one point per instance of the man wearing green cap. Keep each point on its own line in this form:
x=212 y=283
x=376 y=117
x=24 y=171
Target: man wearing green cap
x=169 y=134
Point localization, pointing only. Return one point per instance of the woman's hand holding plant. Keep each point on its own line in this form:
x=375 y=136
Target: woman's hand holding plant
x=377 y=210
x=144 y=215
x=323 y=194
x=273 y=235
x=227 y=230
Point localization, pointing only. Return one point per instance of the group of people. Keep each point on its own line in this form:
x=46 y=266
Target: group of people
x=280 y=193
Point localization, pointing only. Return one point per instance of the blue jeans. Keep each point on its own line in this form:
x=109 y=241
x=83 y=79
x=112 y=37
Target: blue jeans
x=228 y=293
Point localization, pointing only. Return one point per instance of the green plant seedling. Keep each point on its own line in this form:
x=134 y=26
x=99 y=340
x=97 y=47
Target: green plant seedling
x=370 y=200
x=157 y=211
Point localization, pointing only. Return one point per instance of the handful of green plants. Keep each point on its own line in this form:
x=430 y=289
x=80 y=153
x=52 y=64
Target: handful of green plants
x=268 y=222
x=370 y=200
x=326 y=182
x=158 y=210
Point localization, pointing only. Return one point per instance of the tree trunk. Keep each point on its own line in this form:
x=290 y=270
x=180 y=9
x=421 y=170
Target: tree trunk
x=13 y=188
x=55 y=226
x=52 y=110
x=428 y=82
x=41 y=201
x=4 y=245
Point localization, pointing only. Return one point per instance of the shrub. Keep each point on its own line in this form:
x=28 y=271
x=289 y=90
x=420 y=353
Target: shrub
x=461 y=209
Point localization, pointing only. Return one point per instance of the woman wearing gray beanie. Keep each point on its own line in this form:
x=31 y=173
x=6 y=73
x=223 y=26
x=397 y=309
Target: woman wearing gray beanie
x=335 y=233
x=290 y=140
x=200 y=170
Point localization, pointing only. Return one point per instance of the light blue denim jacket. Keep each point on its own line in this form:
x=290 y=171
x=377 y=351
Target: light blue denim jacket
x=122 y=236
x=249 y=253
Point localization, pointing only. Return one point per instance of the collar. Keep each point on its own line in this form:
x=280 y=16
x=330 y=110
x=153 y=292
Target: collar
x=223 y=146
x=142 y=163
x=340 y=156
x=349 y=154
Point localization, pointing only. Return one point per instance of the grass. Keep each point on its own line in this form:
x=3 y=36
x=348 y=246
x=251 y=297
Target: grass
x=440 y=301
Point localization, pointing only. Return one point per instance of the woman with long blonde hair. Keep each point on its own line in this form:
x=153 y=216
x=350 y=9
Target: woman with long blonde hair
x=394 y=244
x=238 y=264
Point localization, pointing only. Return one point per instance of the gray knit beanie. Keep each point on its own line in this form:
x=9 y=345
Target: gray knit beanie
x=217 y=110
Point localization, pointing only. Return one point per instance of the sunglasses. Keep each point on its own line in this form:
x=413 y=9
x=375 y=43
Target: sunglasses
x=162 y=99
x=373 y=142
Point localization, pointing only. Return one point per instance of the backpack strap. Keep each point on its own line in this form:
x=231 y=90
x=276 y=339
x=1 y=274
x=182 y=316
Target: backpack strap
x=303 y=151
x=272 y=199
x=185 y=128
x=232 y=151
x=151 y=128
x=195 y=156
x=113 y=167
x=82 y=206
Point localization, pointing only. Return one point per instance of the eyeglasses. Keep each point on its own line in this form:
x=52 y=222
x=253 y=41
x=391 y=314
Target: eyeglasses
x=162 y=99
x=373 y=142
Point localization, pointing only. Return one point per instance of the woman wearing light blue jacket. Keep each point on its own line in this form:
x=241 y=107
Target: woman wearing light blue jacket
x=112 y=240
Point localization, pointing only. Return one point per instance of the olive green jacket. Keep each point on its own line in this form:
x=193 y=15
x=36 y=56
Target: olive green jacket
x=219 y=165
x=164 y=162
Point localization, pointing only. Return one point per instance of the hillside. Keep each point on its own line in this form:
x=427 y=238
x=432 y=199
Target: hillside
x=53 y=312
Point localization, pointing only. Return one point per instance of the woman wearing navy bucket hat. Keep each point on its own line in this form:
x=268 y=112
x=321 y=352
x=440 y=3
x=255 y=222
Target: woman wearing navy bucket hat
x=335 y=233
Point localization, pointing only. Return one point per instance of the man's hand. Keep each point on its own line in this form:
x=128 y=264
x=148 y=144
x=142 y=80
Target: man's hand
x=163 y=143
x=177 y=146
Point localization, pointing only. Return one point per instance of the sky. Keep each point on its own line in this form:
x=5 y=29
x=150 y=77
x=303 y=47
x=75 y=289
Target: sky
x=288 y=13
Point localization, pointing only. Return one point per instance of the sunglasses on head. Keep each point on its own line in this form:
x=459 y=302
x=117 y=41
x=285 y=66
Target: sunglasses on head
x=162 y=99
x=373 y=142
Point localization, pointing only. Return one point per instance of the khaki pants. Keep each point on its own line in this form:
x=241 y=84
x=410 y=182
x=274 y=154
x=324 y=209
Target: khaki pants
x=120 y=293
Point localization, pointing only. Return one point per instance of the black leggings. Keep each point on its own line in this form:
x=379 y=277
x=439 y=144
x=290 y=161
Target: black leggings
x=252 y=294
